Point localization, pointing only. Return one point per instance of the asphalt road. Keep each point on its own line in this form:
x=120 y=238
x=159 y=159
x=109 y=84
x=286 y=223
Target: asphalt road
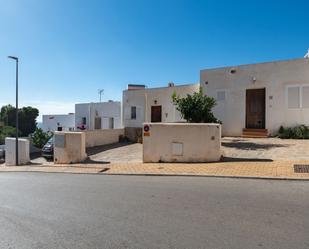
x=39 y=210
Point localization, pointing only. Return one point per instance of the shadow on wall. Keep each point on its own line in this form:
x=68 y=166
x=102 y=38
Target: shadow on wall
x=238 y=144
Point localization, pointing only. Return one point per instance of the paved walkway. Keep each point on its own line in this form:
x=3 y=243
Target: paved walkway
x=265 y=148
x=254 y=158
x=276 y=169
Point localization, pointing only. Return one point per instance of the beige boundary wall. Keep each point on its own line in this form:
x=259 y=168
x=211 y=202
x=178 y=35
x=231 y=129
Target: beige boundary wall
x=181 y=142
x=102 y=137
x=69 y=147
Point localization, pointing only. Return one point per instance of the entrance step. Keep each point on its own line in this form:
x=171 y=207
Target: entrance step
x=255 y=133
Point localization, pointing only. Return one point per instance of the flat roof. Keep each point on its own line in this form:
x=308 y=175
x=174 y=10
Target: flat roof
x=162 y=87
x=258 y=63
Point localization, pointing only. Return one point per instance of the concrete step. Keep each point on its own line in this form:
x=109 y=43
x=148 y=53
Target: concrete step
x=254 y=136
x=255 y=133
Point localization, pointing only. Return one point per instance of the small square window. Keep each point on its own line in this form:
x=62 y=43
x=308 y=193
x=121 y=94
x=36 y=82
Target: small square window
x=133 y=112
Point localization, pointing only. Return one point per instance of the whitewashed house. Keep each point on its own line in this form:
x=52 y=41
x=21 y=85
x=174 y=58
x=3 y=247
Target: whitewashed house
x=58 y=122
x=142 y=104
x=94 y=116
x=256 y=99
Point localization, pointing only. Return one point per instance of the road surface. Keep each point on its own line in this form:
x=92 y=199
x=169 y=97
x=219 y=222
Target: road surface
x=42 y=210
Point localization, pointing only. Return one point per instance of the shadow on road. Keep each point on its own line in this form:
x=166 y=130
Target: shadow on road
x=251 y=146
x=236 y=159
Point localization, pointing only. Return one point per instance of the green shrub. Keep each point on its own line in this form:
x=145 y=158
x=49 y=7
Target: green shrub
x=297 y=132
x=40 y=138
x=6 y=131
x=196 y=108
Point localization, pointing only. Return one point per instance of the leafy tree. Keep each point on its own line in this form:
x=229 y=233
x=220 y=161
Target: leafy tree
x=40 y=138
x=26 y=117
x=6 y=131
x=196 y=108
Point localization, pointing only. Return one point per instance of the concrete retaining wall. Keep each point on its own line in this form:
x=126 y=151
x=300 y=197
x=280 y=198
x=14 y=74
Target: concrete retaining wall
x=181 y=142
x=69 y=147
x=102 y=137
x=23 y=151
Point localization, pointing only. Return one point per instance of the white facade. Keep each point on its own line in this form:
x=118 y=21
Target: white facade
x=138 y=104
x=286 y=85
x=105 y=115
x=62 y=122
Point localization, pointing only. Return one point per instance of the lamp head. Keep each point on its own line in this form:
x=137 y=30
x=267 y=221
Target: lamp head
x=13 y=58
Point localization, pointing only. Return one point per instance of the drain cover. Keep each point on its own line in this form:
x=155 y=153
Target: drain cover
x=103 y=170
x=301 y=168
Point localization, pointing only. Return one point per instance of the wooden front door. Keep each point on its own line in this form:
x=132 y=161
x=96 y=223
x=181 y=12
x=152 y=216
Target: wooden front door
x=255 y=108
x=156 y=114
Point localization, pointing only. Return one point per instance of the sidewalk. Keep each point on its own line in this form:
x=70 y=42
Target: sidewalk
x=264 y=170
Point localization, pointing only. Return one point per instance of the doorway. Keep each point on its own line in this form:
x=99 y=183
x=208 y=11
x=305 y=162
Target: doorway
x=97 y=123
x=255 y=108
x=156 y=114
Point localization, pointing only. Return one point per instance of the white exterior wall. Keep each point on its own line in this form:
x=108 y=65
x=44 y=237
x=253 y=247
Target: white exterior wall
x=52 y=122
x=275 y=77
x=23 y=151
x=145 y=98
x=182 y=142
x=105 y=110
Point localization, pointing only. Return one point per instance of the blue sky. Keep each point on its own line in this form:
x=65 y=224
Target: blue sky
x=69 y=49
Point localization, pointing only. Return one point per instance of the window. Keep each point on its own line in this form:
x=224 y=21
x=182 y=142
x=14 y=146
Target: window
x=84 y=121
x=298 y=96
x=293 y=97
x=111 y=123
x=133 y=112
x=221 y=95
x=305 y=97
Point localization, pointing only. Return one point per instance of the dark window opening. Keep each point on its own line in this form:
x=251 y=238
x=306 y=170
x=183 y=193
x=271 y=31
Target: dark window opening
x=133 y=112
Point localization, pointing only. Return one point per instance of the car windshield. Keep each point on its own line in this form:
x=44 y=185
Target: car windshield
x=51 y=140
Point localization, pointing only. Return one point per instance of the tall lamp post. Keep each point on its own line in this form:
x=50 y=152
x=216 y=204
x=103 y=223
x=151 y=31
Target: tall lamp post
x=16 y=143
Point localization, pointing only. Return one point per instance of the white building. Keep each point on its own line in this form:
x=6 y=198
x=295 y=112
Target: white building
x=259 y=97
x=92 y=116
x=142 y=104
x=58 y=122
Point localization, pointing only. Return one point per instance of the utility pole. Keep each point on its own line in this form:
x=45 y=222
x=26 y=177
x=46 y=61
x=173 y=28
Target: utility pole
x=101 y=92
x=17 y=125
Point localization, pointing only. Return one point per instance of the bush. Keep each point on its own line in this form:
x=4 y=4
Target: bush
x=6 y=131
x=297 y=132
x=196 y=108
x=40 y=138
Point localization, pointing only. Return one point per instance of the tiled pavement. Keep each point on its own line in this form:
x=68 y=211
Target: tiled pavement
x=275 y=169
x=254 y=158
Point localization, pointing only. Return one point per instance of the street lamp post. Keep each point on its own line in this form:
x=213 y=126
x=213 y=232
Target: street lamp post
x=16 y=143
